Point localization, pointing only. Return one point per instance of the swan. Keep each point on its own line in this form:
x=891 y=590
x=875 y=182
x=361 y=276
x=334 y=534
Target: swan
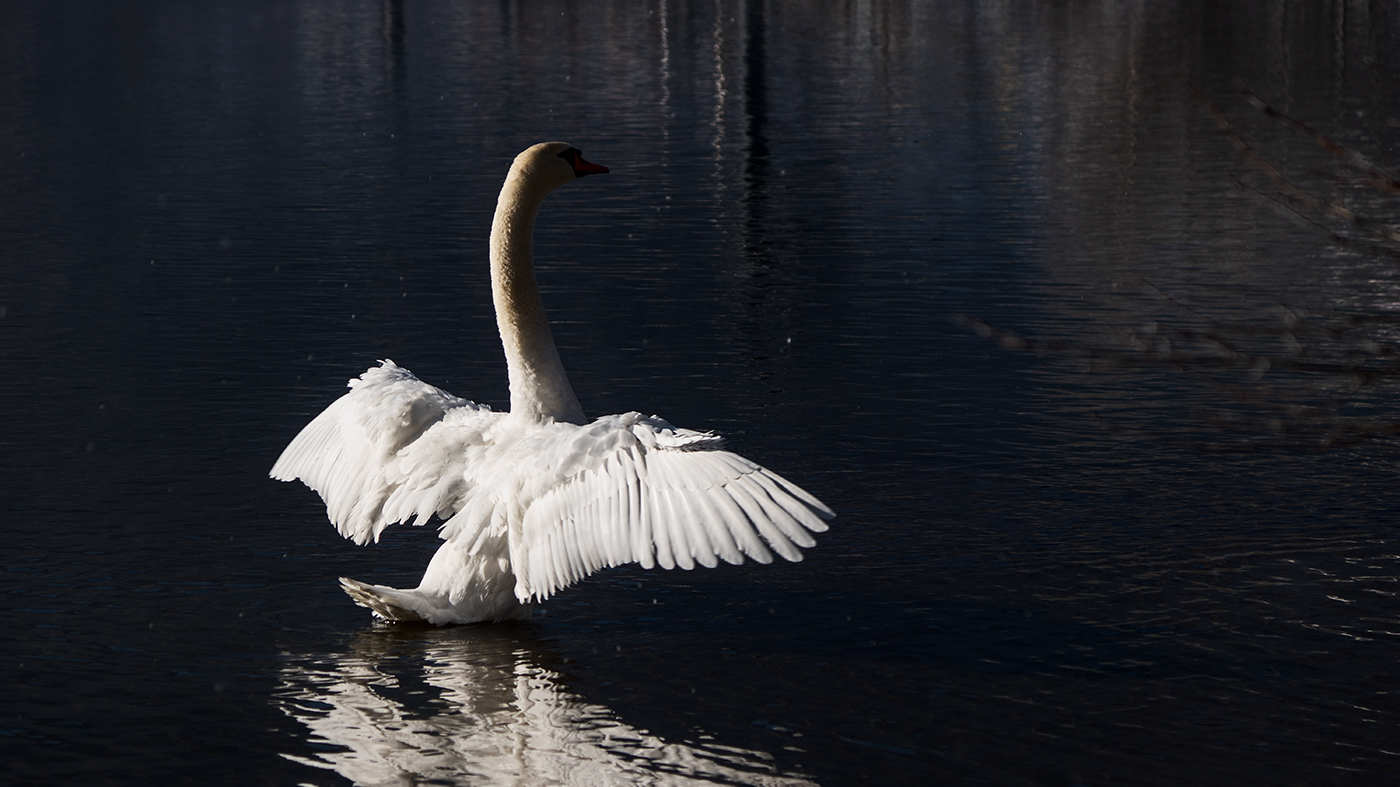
x=537 y=498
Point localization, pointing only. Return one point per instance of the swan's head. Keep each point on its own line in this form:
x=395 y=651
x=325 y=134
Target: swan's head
x=549 y=165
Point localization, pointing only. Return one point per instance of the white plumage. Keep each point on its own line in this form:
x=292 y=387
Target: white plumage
x=535 y=499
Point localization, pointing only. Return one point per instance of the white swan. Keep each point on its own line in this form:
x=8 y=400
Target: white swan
x=537 y=498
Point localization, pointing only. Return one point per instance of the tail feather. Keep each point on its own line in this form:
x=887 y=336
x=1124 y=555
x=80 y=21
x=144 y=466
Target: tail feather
x=385 y=602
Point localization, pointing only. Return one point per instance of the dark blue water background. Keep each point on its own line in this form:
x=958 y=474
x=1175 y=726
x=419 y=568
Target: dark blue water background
x=1140 y=530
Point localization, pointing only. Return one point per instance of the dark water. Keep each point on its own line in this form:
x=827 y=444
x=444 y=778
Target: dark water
x=1139 y=530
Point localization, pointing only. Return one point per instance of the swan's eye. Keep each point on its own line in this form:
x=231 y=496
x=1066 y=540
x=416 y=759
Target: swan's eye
x=571 y=155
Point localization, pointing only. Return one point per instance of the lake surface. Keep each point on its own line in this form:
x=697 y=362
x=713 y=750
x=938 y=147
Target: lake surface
x=1093 y=353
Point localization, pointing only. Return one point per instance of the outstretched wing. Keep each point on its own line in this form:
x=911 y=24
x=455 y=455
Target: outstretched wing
x=390 y=450
x=631 y=489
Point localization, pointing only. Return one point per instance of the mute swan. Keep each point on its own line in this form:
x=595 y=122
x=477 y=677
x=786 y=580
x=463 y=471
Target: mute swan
x=535 y=499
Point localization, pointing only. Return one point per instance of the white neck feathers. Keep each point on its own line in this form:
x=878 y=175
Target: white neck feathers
x=539 y=388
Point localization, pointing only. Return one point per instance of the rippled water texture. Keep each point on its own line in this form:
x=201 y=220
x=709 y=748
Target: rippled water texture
x=1091 y=346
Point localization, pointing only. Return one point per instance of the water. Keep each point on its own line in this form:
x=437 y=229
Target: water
x=1101 y=542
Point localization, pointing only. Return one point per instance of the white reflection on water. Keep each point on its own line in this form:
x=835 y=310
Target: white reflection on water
x=468 y=707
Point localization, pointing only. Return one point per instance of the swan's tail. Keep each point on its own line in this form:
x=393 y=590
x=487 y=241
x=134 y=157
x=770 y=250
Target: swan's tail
x=385 y=602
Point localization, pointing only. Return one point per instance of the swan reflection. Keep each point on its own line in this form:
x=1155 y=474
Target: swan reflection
x=475 y=706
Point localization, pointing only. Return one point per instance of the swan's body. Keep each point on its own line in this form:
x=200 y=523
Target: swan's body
x=537 y=498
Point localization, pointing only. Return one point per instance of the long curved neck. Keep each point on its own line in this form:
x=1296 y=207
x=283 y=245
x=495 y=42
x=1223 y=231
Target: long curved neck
x=539 y=388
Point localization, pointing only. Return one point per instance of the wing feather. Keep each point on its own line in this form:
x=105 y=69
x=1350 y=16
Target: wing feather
x=390 y=450
x=794 y=508
x=749 y=483
x=673 y=510
x=636 y=508
x=630 y=489
x=681 y=549
x=722 y=537
x=775 y=538
x=641 y=545
x=692 y=530
x=698 y=536
x=661 y=529
x=737 y=521
x=793 y=490
x=611 y=480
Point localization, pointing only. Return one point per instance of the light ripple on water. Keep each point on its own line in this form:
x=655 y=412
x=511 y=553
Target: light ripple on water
x=486 y=710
